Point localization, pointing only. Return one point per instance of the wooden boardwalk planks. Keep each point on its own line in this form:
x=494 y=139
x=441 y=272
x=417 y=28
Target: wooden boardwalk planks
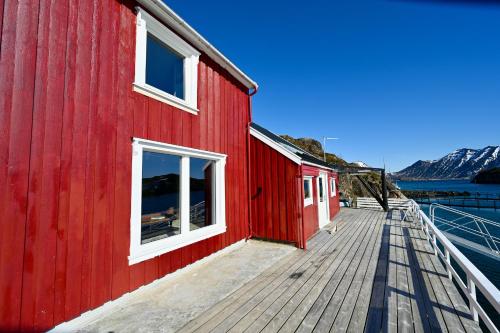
x=376 y=273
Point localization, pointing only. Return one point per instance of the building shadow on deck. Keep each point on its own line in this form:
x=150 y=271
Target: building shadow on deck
x=377 y=318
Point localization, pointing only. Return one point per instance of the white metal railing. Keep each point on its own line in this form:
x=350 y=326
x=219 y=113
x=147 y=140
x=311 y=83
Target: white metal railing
x=475 y=279
x=469 y=224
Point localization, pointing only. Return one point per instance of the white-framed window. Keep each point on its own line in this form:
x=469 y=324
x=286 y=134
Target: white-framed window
x=178 y=197
x=166 y=67
x=308 y=191
x=333 y=187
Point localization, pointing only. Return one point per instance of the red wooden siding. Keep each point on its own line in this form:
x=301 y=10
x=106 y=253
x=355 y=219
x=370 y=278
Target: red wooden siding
x=278 y=211
x=311 y=214
x=311 y=225
x=334 y=201
x=275 y=213
x=67 y=116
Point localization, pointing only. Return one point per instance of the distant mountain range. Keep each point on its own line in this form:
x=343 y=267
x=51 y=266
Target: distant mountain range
x=461 y=163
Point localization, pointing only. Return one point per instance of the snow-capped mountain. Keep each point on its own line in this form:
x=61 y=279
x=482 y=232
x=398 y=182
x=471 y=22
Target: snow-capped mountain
x=461 y=163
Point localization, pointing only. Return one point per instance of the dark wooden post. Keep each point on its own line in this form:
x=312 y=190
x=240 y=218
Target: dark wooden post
x=384 y=191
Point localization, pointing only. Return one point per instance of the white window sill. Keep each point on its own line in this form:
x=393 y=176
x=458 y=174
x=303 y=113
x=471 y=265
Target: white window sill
x=157 y=248
x=164 y=97
x=308 y=202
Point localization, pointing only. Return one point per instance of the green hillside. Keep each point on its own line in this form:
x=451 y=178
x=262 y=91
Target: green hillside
x=349 y=186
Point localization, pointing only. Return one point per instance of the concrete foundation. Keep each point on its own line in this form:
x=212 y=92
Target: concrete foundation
x=169 y=304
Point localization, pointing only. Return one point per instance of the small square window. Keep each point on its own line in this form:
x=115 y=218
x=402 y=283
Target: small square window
x=166 y=66
x=333 y=187
x=308 y=195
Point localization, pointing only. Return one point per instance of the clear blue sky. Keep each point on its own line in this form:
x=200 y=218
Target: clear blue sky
x=394 y=80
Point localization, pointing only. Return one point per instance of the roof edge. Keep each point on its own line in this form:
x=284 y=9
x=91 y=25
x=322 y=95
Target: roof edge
x=168 y=16
x=305 y=156
x=267 y=141
x=319 y=166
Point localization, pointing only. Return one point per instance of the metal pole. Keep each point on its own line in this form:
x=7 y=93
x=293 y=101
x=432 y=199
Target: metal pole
x=384 y=191
x=324 y=149
x=324 y=146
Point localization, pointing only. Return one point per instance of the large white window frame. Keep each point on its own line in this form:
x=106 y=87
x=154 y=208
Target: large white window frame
x=308 y=201
x=333 y=187
x=140 y=252
x=148 y=24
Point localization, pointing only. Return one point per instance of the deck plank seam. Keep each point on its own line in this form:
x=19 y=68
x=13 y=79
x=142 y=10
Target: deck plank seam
x=336 y=278
x=297 y=284
x=358 y=278
x=277 y=280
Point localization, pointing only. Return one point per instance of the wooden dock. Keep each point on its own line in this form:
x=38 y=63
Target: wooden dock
x=376 y=273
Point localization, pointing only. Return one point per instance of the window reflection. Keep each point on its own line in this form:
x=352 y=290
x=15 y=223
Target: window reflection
x=160 y=196
x=201 y=210
x=164 y=67
x=320 y=189
x=307 y=188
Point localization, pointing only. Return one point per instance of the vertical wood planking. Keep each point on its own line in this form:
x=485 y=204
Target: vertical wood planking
x=216 y=112
x=125 y=108
x=273 y=175
x=64 y=227
x=154 y=120
x=84 y=116
x=262 y=207
x=229 y=168
x=275 y=214
x=237 y=167
x=244 y=151
x=104 y=150
x=292 y=215
x=267 y=190
x=81 y=45
x=38 y=298
x=202 y=104
x=17 y=69
x=282 y=199
x=88 y=242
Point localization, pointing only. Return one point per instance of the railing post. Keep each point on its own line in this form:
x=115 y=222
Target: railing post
x=448 y=260
x=435 y=244
x=472 y=294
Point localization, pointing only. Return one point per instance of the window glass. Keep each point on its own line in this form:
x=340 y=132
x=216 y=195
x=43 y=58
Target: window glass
x=333 y=187
x=201 y=210
x=307 y=188
x=160 y=216
x=320 y=180
x=164 y=67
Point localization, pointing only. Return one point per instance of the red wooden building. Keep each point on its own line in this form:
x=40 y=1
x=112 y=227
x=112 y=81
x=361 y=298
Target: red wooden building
x=293 y=193
x=124 y=153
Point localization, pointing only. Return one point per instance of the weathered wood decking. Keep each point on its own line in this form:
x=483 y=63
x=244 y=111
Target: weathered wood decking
x=376 y=273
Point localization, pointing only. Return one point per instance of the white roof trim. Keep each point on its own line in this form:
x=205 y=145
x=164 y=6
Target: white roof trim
x=258 y=135
x=168 y=16
x=317 y=165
